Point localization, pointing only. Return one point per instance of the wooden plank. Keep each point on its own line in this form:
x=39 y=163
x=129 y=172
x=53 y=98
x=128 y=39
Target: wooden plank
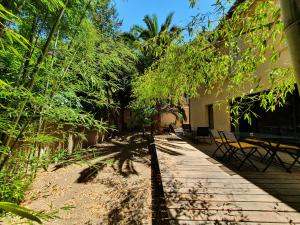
x=236 y=216
x=233 y=206
x=207 y=175
x=190 y=222
x=233 y=185
x=237 y=191
x=228 y=197
x=200 y=190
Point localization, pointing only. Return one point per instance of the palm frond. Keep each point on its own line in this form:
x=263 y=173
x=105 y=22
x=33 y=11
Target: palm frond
x=137 y=28
x=152 y=25
x=128 y=36
x=165 y=26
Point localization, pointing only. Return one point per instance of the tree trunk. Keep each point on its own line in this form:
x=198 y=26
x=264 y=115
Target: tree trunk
x=157 y=121
x=122 y=118
x=291 y=18
x=29 y=51
x=46 y=47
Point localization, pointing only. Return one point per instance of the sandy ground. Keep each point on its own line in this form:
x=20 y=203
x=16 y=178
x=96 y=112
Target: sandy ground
x=112 y=188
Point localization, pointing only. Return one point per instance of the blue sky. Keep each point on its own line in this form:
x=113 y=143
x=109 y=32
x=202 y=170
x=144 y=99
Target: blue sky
x=133 y=11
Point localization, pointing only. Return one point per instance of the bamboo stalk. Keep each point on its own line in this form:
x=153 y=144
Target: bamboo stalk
x=291 y=19
x=35 y=71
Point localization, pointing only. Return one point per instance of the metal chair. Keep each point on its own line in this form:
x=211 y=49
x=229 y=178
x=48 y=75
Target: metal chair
x=291 y=150
x=203 y=133
x=217 y=139
x=235 y=147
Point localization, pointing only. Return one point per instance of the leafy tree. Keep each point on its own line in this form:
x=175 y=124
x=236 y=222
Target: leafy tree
x=151 y=43
x=153 y=40
x=54 y=81
x=218 y=61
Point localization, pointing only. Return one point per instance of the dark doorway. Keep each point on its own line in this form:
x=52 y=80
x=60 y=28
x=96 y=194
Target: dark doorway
x=210 y=109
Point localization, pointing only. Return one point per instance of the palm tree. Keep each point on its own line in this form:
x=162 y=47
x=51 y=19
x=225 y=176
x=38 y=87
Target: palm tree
x=152 y=29
x=151 y=43
x=151 y=38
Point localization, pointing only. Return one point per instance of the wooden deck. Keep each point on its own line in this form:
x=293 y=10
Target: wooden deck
x=201 y=190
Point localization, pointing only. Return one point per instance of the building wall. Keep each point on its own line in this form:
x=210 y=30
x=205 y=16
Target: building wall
x=169 y=118
x=199 y=105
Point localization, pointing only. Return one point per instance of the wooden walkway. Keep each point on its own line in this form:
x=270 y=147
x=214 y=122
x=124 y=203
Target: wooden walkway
x=200 y=190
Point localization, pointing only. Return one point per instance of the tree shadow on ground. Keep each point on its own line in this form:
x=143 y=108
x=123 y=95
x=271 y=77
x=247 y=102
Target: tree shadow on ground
x=120 y=153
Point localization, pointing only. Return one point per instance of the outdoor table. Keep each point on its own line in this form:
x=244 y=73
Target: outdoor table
x=273 y=143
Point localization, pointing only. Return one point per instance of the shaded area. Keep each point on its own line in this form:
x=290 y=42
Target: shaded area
x=201 y=190
x=159 y=210
x=96 y=191
x=276 y=181
x=120 y=153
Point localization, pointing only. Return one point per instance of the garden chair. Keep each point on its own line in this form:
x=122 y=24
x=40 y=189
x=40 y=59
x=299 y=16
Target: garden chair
x=174 y=129
x=218 y=140
x=293 y=151
x=187 y=130
x=235 y=147
x=262 y=144
x=203 y=134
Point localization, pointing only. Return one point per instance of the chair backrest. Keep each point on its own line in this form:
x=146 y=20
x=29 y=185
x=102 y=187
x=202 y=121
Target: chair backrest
x=214 y=133
x=187 y=127
x=172 y=128
x=229 y=136
x=202 y=131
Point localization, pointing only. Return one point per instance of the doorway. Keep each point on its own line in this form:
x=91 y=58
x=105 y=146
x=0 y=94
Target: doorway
x=210 y=109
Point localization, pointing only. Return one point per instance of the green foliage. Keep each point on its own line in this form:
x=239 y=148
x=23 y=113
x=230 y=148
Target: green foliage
x=226 y=60
x=19 y=211
x=62 y=64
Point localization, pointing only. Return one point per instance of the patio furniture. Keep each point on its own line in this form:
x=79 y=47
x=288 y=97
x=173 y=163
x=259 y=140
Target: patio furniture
x=278 y=144
x=174 y=129
x=235 y=147
x=187 y=127
x=202 y=133
x=217 y=139
x=261 y=144
x=292 y=150
x=187 y=130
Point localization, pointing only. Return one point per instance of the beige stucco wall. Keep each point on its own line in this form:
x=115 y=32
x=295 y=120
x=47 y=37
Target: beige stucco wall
x=169 y=118
x=198 y=105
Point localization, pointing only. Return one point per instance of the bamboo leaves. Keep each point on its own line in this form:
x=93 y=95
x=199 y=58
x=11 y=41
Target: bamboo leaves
x=58 y=84
x=20 y=211
x=226 y=60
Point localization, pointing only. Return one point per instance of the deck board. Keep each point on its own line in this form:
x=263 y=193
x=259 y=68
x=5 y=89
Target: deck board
x=201 y=190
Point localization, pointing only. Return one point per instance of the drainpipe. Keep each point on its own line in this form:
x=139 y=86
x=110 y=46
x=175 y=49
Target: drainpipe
x=291 y=19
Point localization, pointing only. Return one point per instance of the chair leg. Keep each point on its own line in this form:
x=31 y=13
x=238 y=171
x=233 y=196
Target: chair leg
x=247 y=158
x=235 y=155
x=218 y=148
x=225 y=153
x=232 y=154
x=259 y=154
x=281 y=162
x=271 y=159
x=296 y=160
x=266 y=154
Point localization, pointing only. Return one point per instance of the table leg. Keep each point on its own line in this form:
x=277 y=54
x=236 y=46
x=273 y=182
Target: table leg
x=270 y=160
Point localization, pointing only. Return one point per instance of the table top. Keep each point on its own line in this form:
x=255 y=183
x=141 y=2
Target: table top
x=282 y=139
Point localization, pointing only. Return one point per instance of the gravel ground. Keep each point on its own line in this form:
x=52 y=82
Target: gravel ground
x=112 y=187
